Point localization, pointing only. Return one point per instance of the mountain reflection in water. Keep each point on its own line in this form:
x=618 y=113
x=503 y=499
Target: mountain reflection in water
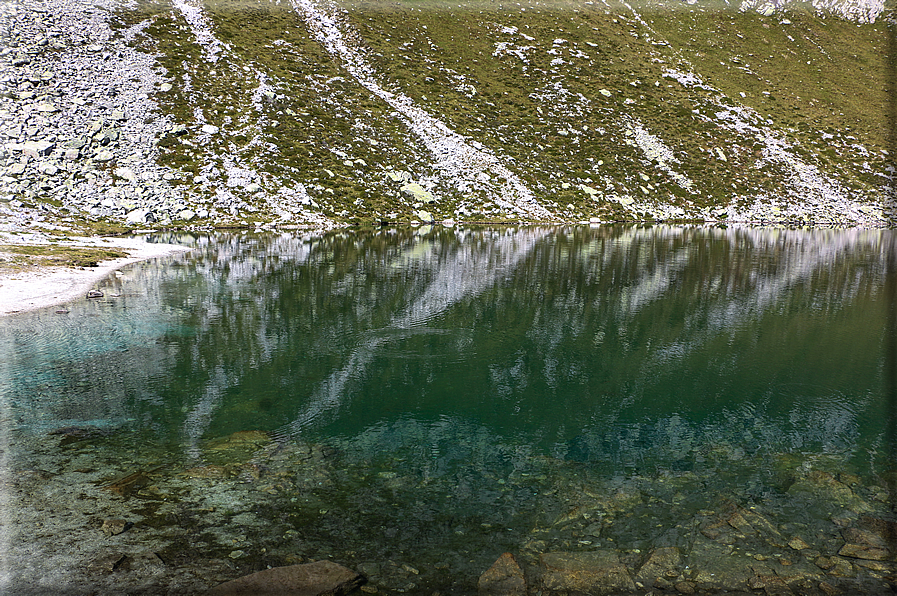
x=463 y=357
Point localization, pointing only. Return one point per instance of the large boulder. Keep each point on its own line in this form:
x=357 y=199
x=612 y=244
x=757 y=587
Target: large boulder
x=416 y=192
x=321 y=578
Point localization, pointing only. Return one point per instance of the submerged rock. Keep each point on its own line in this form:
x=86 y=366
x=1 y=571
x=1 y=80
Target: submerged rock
x=504 y=578
x=596 y=572
x=662 y=564
x=114 y=527
x=309 y=579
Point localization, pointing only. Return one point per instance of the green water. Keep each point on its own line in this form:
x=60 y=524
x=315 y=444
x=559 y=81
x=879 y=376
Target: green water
x=430 y=398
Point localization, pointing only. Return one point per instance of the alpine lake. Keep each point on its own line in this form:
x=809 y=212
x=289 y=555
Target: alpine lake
x=623 y=409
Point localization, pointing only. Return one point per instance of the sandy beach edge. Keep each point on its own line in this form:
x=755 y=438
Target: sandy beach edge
x=45 y=287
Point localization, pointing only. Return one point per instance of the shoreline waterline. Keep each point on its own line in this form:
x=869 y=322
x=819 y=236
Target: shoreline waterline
x=44 y=287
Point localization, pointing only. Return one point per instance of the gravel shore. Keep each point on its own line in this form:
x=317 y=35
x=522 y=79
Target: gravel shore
x=43 y=287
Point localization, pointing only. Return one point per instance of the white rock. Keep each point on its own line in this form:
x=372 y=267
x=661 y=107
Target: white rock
x=209 y=129
x=126 y=173
x=140 y=216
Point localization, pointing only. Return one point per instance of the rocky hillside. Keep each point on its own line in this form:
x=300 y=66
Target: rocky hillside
x=276 y=112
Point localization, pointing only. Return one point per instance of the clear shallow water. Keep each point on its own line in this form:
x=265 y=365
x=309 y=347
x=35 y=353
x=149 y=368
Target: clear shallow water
x=423 y=400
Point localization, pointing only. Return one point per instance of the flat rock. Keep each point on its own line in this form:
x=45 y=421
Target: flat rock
x=662 y=563
x=594 y=572
x=37 y=148
x=310 y=579
x=415 y=191
x=504 y=578
x=864 y=551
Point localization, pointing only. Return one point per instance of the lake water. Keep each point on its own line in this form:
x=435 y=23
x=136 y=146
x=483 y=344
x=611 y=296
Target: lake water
x=413 y=402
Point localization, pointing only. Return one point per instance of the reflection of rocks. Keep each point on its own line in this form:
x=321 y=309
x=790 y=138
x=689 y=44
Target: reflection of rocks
x=504 y=578
x=594 y=572
x=309 y=579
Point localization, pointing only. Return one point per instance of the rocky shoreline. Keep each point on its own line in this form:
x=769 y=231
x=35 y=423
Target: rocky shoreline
x=79 y=124
x=156 y=528
x=33 y=285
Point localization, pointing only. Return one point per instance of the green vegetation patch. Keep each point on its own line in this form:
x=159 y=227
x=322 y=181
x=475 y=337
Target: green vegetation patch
x=16 y=256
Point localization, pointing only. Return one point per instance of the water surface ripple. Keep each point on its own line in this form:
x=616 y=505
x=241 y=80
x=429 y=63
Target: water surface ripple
x=414 y=402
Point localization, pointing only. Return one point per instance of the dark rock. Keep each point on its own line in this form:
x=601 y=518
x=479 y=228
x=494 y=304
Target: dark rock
x=884 y=529
x=310 y=579
x=94 y=294
x=595 y=572
x=504 y=578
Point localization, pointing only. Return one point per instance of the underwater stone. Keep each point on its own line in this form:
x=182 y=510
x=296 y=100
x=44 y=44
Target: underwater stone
x=504 y=578
x=659 y=563
x=114 y=527
x=596 y=572
x=309 y=579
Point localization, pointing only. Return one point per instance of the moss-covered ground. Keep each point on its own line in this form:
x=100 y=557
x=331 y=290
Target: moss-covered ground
x=556 y=90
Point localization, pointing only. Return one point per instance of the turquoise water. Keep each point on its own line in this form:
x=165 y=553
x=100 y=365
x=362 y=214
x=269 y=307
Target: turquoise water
x=430 y=398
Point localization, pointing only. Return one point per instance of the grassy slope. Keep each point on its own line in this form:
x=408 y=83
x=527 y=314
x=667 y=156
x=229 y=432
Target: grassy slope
x=823 y=78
